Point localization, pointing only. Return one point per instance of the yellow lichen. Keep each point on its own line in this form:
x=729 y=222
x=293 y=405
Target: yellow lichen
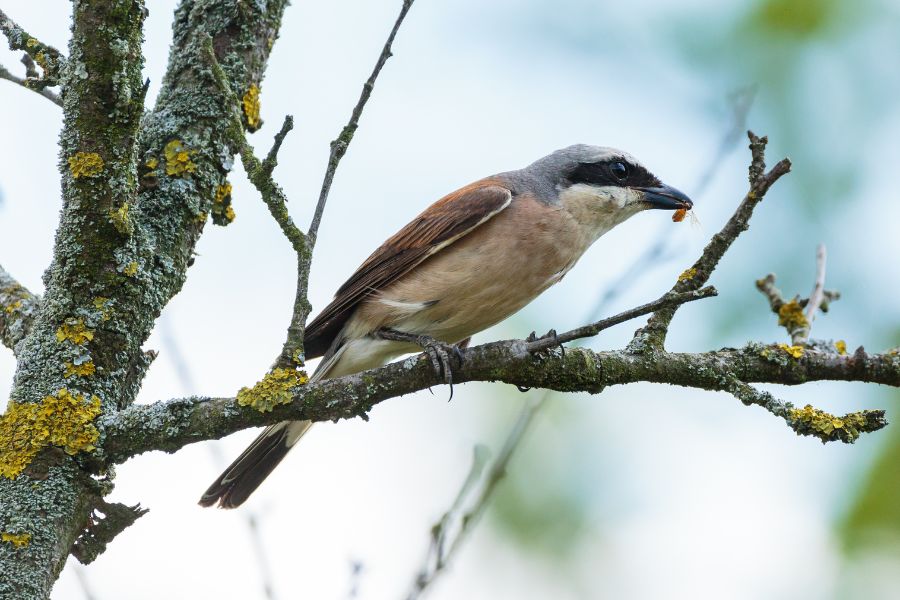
x=274 y=389
x=131 y=269
x=222 y=192
x=688 y=274
x=178 y=159
x=813 y=421
x=85 y=369
x=222 y=212
x=120 y=219
x=791 y=316
x=64 y=420
x=841 y=347
x=152 y=163
x=19 y=540
x=11 y=308
x=31 y=42
x=101 y=304
x=795 y=351
x=74 y=330
x=201 y=216
x=251 y=106
x=85 y=164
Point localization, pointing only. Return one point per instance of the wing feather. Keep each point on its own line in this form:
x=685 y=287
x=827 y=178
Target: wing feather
x=441 y=224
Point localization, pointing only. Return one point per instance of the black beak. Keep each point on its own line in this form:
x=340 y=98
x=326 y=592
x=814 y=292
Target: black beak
x=665 y=197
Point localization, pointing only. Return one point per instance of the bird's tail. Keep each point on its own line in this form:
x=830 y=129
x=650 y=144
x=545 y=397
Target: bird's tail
x=248 y=470
x=251 y=468
x=261 y=457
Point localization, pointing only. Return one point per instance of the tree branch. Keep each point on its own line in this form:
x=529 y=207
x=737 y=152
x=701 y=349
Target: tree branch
x=671 y=299
x=18 y=308
x=49 y=95
x=172 y=424
x=260 y=174
x=134 y=197
x=47 y=57
x=339 y=146
x=653 y=335
x=817 y=296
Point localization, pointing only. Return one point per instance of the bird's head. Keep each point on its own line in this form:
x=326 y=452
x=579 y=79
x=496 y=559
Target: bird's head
x=603 y=186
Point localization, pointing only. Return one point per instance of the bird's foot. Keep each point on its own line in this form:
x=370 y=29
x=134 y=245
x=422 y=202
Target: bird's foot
x=438 y=352
x=550 y=335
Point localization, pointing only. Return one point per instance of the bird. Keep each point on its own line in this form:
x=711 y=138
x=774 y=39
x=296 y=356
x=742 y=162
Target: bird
x=467 y=262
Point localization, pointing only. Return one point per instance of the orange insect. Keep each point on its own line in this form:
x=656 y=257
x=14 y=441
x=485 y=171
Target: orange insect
x=678 y=215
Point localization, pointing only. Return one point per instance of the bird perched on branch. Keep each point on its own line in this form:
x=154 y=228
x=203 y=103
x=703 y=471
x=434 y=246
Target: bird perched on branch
x=473 y=258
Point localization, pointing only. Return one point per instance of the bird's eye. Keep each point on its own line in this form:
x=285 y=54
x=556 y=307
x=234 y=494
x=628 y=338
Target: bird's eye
x=619 y=170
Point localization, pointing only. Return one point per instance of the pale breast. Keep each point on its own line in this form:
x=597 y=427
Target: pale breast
x=483 y=278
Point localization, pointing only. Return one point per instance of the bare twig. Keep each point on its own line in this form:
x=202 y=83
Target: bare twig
x=48 y=94
x=47 y=57
x=670 y=299
x=260 y=174
x=653 y=335
x=339 y=146
x=818 y=293
x=459 y=521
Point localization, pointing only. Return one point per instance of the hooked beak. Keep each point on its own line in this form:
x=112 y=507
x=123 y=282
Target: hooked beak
x=665 y=197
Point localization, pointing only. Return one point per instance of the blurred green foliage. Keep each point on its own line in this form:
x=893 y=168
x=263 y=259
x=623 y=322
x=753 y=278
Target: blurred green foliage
x=803 y=19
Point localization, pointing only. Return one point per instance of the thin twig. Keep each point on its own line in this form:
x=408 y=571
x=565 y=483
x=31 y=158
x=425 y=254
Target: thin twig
x=48 y=94
x=339 y=146
x=460 y=520
x=260 y=174
x=818 y=293
x=653 y=335
x=671 y=299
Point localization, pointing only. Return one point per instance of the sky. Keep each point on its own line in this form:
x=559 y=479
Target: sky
x=707 y=499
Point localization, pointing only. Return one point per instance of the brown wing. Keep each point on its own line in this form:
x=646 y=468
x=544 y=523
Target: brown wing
x=442 y=223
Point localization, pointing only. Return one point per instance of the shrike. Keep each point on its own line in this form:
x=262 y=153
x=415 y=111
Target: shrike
x=473 y=258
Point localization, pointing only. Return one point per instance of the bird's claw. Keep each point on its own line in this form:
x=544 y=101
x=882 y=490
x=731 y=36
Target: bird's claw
x=550 y=335
x=438 y=352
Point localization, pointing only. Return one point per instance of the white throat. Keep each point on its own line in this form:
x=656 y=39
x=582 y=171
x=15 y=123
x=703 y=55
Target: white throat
x=599 y=209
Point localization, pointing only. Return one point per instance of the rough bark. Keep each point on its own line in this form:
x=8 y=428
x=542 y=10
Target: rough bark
x=130 y=219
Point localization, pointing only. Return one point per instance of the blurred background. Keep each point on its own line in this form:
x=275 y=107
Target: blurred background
x=708 y=499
